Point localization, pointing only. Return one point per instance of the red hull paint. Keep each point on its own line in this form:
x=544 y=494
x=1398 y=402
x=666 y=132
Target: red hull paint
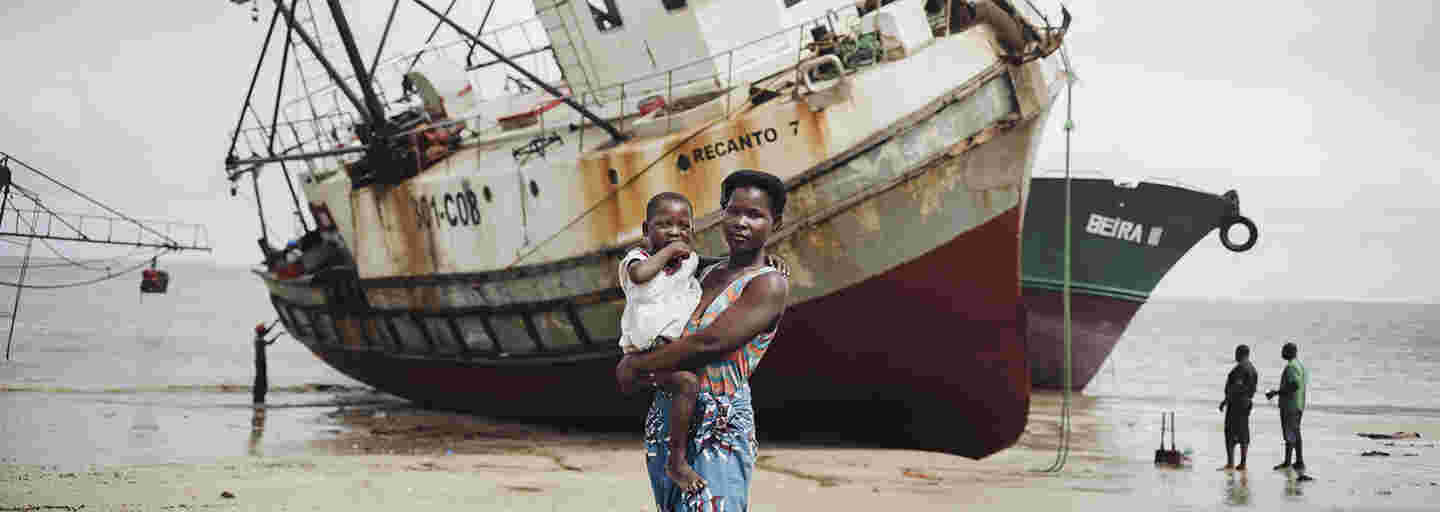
x=936 y=343
x=940 y=333
x=1096 y=324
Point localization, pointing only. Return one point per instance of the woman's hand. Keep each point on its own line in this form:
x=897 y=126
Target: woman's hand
x=626 y=376
x=778 y=263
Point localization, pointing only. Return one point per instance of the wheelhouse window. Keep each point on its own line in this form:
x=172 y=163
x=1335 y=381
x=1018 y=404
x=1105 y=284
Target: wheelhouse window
x=671 y=5
x=606 y=13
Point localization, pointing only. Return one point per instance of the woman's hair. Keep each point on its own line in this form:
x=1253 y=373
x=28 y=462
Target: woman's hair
x=771 y=184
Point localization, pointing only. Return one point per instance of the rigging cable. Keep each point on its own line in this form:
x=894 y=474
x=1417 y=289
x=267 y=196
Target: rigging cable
x=1062 y=451
x=128 y=270
x=275 y=117
x=264 y=49
x=241 y=193
x=433 y=31
x=30 y=195
x=15 y=308
x=85 y=264
x=23 y=268
x=92 y=200
x=479 y=31
x=35 y=199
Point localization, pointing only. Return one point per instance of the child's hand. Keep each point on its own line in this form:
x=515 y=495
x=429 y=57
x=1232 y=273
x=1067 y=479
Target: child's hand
x=678 y=251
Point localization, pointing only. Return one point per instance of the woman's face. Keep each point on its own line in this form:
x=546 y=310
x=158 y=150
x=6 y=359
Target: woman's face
x=748 y=219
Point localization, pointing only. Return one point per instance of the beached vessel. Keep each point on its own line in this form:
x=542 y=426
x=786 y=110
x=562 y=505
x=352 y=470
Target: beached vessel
x=464 y=250
x=1125 y=235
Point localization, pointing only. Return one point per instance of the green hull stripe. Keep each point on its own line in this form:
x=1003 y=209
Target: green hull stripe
x=1086 y=288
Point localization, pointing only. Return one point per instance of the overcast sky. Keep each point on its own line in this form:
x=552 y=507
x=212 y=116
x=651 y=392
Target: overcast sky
x=1321 y=114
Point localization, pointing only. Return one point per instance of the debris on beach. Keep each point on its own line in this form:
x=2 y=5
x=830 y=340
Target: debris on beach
x=227 y=495
x=914 y=473
x=1375 y=453
x=1393 y=435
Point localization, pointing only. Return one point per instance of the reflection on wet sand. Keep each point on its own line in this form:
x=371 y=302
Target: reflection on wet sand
x=1237 y=488
x=1294 y=490
x=257 y=430
x=144 y=429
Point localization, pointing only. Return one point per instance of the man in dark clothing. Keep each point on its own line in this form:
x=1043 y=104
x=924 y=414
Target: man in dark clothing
x=1294 y=381
x=1240 y=388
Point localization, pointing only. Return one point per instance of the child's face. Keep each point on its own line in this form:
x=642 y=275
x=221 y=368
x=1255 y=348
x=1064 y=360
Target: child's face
x=670 y=222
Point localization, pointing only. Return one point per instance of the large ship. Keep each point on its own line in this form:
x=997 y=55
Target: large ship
x=1125 y=236
x=466 y=237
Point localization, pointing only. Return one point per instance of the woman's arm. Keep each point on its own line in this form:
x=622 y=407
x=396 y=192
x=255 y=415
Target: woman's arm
x=756 y=311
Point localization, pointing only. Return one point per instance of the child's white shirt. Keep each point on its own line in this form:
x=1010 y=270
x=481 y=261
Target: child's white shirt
x=660 y=306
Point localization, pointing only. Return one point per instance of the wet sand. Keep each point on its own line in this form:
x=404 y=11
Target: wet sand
x=308 y=452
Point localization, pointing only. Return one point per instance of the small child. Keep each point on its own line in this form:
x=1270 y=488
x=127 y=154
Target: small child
x=661 y=293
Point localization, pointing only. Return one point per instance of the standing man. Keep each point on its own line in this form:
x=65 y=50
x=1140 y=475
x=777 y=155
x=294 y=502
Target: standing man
x=1239 y=390
x=1293 y=383
x=262 y=380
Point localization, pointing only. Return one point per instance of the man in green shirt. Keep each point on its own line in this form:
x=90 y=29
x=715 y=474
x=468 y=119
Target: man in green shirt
x=1294 y=380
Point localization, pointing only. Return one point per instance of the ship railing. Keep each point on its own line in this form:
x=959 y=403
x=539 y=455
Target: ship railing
x=320 y=118
x=80 y=227
x=682 y=87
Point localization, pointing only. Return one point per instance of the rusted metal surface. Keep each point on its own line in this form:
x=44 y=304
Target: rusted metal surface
x=490 y=278
x=881 y=209
x=573 y=208
x=990 y=184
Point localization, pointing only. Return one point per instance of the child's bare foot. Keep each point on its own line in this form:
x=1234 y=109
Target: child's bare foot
x=683 y=476
x=1226 y=467
x=1241 y=467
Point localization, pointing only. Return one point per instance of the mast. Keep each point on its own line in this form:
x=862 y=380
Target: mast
x=377 y=110
x=372 y=111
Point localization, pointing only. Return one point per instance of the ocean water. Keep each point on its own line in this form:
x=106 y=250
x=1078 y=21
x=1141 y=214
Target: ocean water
x=100 y=375
x=107 y=336
x=1363 y=358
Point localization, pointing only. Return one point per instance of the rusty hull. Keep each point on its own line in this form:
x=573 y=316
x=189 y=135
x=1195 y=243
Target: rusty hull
x=911 y=215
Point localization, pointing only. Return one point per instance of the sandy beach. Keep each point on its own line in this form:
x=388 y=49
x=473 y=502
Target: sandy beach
x=382 y=455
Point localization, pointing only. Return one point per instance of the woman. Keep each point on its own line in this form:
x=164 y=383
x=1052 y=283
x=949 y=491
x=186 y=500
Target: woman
x=740 y=306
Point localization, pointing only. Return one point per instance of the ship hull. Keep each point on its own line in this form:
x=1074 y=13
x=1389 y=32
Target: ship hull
x=907 y=317
x=901 y=235
x=1096 y=325
x=967 y=392
x=1125 y=237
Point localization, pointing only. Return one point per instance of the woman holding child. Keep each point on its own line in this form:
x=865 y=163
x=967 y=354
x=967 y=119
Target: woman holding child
x=741 y=299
